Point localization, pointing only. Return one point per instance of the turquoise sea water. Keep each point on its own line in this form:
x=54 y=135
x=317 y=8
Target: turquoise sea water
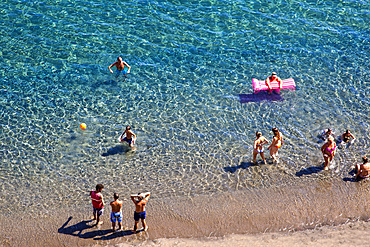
x=188 y=98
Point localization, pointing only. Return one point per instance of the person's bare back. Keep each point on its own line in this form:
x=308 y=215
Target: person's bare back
x=116 y=206
x=140 y=205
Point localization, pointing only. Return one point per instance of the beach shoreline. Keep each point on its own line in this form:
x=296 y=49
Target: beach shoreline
x=214 y=219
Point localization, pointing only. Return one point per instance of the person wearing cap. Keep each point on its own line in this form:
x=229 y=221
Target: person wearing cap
x=140 y=201
x=273 y=78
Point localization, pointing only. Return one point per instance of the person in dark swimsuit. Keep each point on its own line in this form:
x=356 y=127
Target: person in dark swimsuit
x=347 y=136
x=328 y=151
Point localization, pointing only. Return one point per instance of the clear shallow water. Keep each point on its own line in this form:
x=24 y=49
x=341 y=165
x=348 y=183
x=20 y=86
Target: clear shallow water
x=192 y=64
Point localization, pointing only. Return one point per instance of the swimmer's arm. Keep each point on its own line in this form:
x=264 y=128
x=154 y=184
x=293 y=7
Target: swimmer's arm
x=129 y=67
x=133 y=198
x=110 y=66
x=102 y=200
x=147 y=194
x=268 y=82
x=354 y=138
x=120 y=138
x=255 y=145
x=133 y=140
x=323 y=147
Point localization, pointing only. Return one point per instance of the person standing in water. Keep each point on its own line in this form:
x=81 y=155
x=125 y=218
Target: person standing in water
x=346 y=136
x=130 y=136
x=276 y=143
x=120 y=65
x=328 y=151
x=258 y=147
x=140 y=201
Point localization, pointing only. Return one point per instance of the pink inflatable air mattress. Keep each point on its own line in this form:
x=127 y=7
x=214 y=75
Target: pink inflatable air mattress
x=261 y=85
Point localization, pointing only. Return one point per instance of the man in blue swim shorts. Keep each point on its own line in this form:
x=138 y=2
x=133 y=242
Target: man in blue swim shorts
x=116 y=214
x=130 y=136
x=120 y=65
x=140 y=201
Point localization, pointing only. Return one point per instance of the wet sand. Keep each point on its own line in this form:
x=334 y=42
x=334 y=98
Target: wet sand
x=323 y=213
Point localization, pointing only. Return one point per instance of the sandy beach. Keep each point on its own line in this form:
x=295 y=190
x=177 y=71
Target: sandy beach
x=239 y=218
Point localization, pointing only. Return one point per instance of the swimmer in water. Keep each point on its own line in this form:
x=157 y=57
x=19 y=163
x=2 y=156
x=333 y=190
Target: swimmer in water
x=120 y=65
x=273 y=78
x=130 y=136
x=346 y=136
x=258 y=147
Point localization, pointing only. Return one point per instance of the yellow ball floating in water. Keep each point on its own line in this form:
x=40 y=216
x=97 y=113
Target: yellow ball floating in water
x=83 y=126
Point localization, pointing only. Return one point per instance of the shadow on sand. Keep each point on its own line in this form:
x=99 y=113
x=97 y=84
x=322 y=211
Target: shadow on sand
x=310 y=170
x=352 y=178
x=118 y=149
x=243 y=165
x=257 y=97
x=79 y=228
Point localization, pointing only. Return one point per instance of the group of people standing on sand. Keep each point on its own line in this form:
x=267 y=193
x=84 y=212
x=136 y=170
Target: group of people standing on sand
x=140 y=200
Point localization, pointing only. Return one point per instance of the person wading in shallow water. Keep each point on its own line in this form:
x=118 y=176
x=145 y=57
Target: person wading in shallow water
x=130 y=136
x=120 y=65
x=277 y=142
x=258 y=147
x=328 y=151
x=140 y=201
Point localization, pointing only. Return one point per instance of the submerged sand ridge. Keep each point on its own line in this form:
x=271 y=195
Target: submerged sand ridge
x=268 y=210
